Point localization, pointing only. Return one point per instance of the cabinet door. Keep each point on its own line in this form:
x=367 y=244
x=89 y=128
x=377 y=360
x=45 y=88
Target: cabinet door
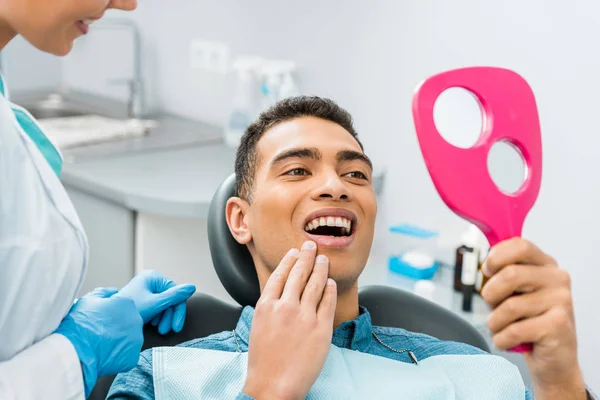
x=110 y=229
x=178 y=248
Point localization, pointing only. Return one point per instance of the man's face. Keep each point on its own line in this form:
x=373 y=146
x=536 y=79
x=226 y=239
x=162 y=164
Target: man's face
x=313 y=182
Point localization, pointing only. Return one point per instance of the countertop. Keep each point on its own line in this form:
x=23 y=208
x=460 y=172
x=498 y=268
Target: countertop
x=173 y=170
x=176 y=182
x=170 y=132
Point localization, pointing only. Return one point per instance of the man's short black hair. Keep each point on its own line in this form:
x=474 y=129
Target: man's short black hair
x=247 y=159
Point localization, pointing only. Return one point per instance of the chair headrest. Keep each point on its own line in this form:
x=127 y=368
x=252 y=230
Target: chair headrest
x=232 y=261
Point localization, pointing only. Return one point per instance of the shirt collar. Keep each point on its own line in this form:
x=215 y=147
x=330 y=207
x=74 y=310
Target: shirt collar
x=355 y=334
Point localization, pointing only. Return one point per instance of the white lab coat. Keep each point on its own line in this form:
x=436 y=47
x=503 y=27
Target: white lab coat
x=43 y=259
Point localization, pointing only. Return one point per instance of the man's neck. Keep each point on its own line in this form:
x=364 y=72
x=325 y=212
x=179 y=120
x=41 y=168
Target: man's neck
x=347 y=306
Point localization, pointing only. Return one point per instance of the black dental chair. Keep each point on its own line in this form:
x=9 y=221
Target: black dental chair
x=207 y=315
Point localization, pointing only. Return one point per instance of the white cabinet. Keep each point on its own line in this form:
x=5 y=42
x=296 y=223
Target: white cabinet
x=178 y=248
x=110 y=230
x=124 y=242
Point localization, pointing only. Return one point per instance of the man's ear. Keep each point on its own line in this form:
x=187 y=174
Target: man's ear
x=236 y=212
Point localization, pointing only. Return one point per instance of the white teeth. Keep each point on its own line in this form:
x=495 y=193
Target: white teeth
x=340 y=222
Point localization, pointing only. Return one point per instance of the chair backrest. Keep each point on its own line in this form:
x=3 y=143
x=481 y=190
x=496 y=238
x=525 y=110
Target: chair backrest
x=397 y=308
x=231 y=260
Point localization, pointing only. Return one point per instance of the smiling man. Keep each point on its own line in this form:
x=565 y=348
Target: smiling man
x=304 y=182
x=294 y=170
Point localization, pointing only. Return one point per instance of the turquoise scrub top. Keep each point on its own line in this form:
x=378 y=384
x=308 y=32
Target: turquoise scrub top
x=35 y=133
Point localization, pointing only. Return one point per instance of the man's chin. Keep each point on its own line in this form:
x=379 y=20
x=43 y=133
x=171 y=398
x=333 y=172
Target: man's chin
x=344 y=282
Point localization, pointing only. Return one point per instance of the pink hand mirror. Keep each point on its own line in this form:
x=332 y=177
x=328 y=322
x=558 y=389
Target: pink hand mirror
x=460 y=175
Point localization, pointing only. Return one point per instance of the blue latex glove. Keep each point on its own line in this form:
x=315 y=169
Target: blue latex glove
x=106 y=330
x=159 y=300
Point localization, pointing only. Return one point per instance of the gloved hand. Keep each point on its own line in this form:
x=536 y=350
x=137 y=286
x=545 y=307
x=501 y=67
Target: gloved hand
x=159 y=300
x=106 y=330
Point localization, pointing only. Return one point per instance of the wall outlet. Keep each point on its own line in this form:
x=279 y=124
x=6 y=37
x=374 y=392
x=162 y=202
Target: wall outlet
x=209 y=56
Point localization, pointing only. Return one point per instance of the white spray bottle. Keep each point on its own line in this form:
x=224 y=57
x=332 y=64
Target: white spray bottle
x=245 y=105
x=270 y=83
x=288 y=87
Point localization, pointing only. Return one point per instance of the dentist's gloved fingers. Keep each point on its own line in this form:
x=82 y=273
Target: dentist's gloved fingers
x=313 y=292
x=276 y=282
x=156 y=320
x=166 y=322
x=153 y=293
x=179 y=317
x=103 y=292
x=173 y=296
x=166 y=319
x=159 y=284
x=300 y=272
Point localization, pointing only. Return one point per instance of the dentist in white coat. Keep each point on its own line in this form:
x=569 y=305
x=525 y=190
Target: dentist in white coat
x=49 y=348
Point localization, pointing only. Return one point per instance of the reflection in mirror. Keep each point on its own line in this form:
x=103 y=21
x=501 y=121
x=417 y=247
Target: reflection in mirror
x=458 y=117
x=506 y=166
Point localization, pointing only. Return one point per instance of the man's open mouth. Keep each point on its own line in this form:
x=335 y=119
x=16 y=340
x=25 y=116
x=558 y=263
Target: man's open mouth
x=329 y=226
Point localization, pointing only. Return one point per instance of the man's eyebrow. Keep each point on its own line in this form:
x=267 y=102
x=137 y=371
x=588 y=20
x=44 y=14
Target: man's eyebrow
x=305 y=152
x=351 y=155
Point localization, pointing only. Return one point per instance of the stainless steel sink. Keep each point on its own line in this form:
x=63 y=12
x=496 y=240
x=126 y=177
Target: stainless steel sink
x=41 y=113
x=167 y=131
x=56 y=106
x=71 y=124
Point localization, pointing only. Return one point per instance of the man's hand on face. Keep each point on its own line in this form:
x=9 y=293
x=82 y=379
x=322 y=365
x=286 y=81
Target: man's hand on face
x=292 y=327
x=532 y=303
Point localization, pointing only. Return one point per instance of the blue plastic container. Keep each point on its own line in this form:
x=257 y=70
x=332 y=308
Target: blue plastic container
x=399 y=266
x=412 y=251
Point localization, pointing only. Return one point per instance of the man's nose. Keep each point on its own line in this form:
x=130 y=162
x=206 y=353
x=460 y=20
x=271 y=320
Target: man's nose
x=331 y=186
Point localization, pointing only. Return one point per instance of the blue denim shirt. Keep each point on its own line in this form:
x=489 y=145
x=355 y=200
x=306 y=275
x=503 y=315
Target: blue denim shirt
x=355 y=335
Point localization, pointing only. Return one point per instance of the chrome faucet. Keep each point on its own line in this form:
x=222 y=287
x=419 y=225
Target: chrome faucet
x=135 y=104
